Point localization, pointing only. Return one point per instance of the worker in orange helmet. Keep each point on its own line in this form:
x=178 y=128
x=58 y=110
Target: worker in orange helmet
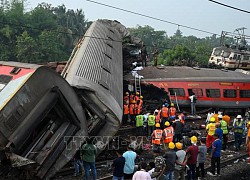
x=164 y=114
x=157 y=136
x=125 y=114
x=248 y=140
x=211 y=127
x=132 y=113
x=126 y=98
x=168 y=134
x=137 y=96
x=172 y=112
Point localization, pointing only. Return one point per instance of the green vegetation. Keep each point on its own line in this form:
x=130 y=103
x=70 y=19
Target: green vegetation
x=49 y=33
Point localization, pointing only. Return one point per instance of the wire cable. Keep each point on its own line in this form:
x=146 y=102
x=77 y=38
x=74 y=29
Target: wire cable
x=151 y=17
x=229 y=6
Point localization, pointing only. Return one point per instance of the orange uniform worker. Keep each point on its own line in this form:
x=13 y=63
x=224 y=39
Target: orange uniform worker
x=211 y=127
x=157 y=135
x=125 y=114
x=168 y=134
x=172 y=111
x=126 y=98
x=132 y=113
x=137 y=96
x=164 y=114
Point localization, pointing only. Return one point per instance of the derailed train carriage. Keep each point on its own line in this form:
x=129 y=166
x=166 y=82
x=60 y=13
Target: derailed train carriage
x=38 y=110
x=43 y=120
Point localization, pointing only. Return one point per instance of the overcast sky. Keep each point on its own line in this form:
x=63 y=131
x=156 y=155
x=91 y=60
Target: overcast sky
x=199 y=14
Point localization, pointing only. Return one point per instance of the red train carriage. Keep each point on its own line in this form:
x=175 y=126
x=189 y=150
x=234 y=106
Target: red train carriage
x=213 y=87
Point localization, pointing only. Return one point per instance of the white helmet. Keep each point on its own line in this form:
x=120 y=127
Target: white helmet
x=220 y=116
x=239 y=117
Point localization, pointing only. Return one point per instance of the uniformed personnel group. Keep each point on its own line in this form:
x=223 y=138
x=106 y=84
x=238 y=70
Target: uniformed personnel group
x=175 y=157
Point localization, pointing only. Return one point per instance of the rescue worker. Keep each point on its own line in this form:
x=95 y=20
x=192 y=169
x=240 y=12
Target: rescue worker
x=157 y=114
x=191 y=158
x=210 y=132
x=172 y=112
x=238 y=132
x=137 y=96
x=248 y=141
x=132 y=113
x=164 y=114
x=182 y=117
x=125 y=114
x=157 y=136
x=224 y=127
x=139 y=120
x=238 y=117
x=126 y=98
x=178 y=129
x=131 y=98
x=137 y=109
x=141 y=101
x=151 y=124
x=168 y=134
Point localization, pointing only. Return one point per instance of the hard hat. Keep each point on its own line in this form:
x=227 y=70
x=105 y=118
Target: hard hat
x=127 y=93
x=137 y=93
x=172 y=104
x=212 y=119
x=167 y=123
x=133 y=101
x=171 y=145
x=157 y=125
x=220 y=116
x=178 y=145
x=193 y=139
x=141 y=97
x=248 y=123
x=239 y=117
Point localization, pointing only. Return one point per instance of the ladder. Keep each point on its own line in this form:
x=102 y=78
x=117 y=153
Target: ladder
x=138 y=84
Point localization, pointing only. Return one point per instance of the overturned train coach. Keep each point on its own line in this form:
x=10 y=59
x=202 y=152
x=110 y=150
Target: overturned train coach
x=44 y=120
x=215 y=88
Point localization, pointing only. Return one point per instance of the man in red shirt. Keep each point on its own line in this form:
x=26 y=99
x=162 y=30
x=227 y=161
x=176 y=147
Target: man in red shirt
x=191 y=158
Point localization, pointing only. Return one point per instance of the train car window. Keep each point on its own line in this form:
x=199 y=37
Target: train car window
x=238 y=57
x=229 y=93
x=246 y=58
x=197 y=91
x=245 y=93
x=178 y=91
x=213 y=93
x=4 y=80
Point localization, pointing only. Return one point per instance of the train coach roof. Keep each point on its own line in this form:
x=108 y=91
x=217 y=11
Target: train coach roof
x=18 y=64
x=181 y=73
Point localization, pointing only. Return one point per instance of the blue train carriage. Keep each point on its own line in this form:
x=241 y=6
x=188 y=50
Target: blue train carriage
x=39 y=116
x=95 y=71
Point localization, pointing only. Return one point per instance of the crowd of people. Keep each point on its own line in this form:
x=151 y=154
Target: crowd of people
x=173 y=156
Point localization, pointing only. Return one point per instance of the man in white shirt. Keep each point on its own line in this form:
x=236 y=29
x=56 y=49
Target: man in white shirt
x=193 y=102
x=142 y=174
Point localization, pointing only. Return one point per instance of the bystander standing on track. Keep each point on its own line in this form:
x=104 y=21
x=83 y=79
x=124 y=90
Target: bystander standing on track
x=170 y=158
x=142 y=174
x=201 y=159
x=118 y=165
x=129 y=166
x=215 y=155
x=191 y=158
x=88 y=152
x=210 y=132
x=179 y=163
x=224 y=127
